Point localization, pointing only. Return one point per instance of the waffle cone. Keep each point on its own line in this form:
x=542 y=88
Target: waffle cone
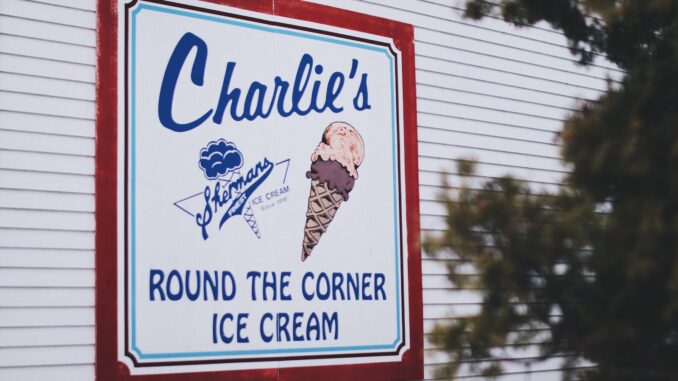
x=323 y=204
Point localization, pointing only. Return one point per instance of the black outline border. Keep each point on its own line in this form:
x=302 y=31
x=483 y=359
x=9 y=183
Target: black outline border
x=128 y=353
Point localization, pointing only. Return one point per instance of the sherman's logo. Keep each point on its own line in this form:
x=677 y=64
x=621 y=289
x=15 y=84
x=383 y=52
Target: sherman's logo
x=230 y=187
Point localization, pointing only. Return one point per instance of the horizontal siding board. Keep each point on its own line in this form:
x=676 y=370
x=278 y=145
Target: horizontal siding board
x=46 y=239
x=50 y=297
x=519 y=353
x=487 y=114
x=57 y=51
x=483 y=86
x=433 y=193
x=46 y=258
x=492 y=101
x=38 y=356
x=553 y=374
x=46 y=336
x=39 y=200
x=61 y=278
x=41 y=67
x=536 y=178
x=510 y=48
x=446 y=123
x=550 y=375
x=48 y=124
x=40 y=142
x=506 y=64
x=437 y=282
x=48 y=31
x=488 y=142
x=44 y=105
x=430 y=266
x=522 y=53
x=444 y=158
x=479 y=72
x=520 y=116
x=49 y=13
x=22 y=83
x=85 y=5
x=41 y=181
x=48 y=373
x=44 y=162
x=456 y=311
x=47 y=219
x=434 y=178
x=47 y=317
x=451 y=297
x=518 y=340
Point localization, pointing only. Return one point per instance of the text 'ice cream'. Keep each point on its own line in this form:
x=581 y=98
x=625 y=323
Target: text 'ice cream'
x=333 y=174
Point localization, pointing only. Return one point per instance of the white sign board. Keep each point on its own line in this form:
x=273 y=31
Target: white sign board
x=260 y=190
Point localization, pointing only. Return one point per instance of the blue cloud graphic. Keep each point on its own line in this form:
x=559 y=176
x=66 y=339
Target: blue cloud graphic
x=219 y=158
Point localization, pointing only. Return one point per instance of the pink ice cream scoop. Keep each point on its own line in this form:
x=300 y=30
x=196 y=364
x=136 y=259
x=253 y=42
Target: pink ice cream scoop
x=342 y=143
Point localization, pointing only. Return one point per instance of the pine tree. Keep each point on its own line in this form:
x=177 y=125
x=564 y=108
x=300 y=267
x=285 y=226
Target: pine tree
x=595 y=265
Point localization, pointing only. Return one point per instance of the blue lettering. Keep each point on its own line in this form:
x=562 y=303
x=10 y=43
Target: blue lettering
x=296 y=325
x=242 y=324
x=155 y=283
x=284 y=286
x=313 y=327
x=269 y=284
x=337 y=282
x=228 y=96
x=210 y=283
x=361 y=101
x=352 y=285
x=252 y=276
x=323 y=280
x=192 y=295
x=206 y=217
x=330 y=324
x=174 y=275
x=300 y=83
x=227 y=293
x=225 y=338
x=365 y=285
x=214 y=328
x=334 y=86
x=285 y=98
x=307 y=295
x=178 y=283
x=267 y=338
x=283 y=320
x=243 y=187
x=256 y=94
x=169 y=81
x=379 y=281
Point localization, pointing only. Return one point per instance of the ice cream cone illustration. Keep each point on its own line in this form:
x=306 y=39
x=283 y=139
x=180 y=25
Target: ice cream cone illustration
x=333 y=174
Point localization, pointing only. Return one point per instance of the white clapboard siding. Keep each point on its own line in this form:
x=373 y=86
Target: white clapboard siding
x=47 y=94
x=497 y=94
x=486 y=91
x=29 y=258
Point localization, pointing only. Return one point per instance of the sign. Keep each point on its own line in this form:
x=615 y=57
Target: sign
x=262 y=191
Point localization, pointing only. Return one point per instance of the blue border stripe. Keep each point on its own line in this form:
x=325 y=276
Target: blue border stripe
x=282 y=31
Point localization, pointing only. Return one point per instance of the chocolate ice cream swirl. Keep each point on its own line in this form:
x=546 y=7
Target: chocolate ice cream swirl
x=333 y=174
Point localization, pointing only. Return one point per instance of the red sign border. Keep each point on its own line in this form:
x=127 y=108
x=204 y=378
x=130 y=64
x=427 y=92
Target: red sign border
x=107 y=366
